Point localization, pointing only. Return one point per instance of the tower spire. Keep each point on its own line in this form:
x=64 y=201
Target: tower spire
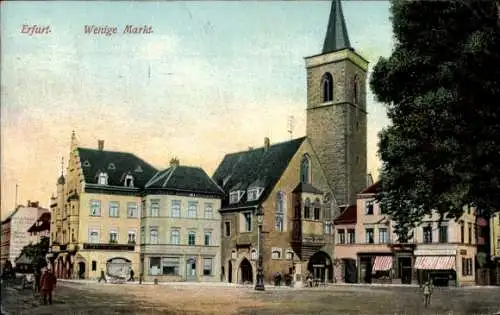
x=62 y=166
x=336 y=33
x=74 y=141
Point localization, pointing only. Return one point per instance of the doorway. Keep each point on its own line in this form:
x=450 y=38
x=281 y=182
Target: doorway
x=230 y=272
x=81 y=270
x=246 y=271
x=365 y=269
x=191 y=269
x=405 y=270
x=320 y=266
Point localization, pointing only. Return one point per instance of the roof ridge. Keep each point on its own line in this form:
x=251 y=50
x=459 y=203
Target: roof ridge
x=272 y=145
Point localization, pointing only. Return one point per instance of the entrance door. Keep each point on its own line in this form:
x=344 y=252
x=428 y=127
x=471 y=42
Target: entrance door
x=404 y=264
x=81 y=270
x=230 y=272
x=246 y=274
x=191 y=269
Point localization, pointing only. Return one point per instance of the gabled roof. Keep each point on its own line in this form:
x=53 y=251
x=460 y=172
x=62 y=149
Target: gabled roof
x=45 y=219
x=349 y=215
x=307 y=188
x=336 y=33
x=372 y=189
x=184 y=178
x=241 y=169
x=95 y=161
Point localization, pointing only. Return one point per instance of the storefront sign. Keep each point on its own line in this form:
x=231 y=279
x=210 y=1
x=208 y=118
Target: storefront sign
x=435 y=252
x=108 y=246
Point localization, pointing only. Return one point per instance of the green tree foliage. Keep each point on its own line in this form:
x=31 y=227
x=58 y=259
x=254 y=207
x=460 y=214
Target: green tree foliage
x=442 y=89
x=37 y=252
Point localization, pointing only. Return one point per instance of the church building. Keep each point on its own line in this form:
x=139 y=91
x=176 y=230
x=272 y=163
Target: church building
x=300 y=185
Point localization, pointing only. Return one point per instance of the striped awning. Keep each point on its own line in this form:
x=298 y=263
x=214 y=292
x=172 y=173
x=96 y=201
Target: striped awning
x=382 y=263
x=435 y=262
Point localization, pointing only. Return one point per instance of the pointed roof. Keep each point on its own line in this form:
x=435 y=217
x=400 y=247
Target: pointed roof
x=336 y=33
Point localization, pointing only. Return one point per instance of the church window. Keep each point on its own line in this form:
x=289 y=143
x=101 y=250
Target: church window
x=355 y=90
x=327 y=87
x=280 y=211
x=305 y=170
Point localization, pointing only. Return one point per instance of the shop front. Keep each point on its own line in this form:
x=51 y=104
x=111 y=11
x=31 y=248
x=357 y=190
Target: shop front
x=440 y=270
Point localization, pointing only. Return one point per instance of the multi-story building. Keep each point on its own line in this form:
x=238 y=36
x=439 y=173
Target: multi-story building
x=442 y=250
x=180 y=227
x=15 y=233
x=40 y=229
x=495 y=247
x=300 y=183
x=97 y=212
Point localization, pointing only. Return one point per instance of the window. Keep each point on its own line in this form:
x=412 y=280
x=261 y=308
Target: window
x=132 y=210
x=113 y=236
x=131 y=237
x=317 y=211
x=175 y=237
x=209 y=211
x=427 y=230
x=154 y=208
x=129 y=181
x=248 y=221
x=305 y=169
x=192 y=205
x=94 y=265
x=369 y=207
x=355 y=90
x=114 y=207
x=369 y=236
x=154 y=266
x=103 y=179
x=143 y=235
x=443 y=234
x=234 y=197
x=327 y=87
x=208 y=238
x=351 y=236
x=462 y=232
x=280 y=210
x=341 y=237
x=176 y=209
x=253 y=254
x=227 y=228
x=170 y=266
x=95 y=208
x=207 y=266
x=153 y=235
x=143 y=208
x=466 y=266
x=328 y=228
x=276 y=253
x=307 y=209
x=289 y=255
x=93 y=236
x=253 y=194
x=469 y=232
x=382 y=235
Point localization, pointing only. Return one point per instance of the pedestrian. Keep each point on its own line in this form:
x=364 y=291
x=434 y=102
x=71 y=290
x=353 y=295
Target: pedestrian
x=131 y=274
x=427 y=293
x=38 y=277
x=47 y=285
x=278 y=279
x=102 y=277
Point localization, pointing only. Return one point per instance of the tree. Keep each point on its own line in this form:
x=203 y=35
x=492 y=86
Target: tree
x=37 y=253
x=442 y=89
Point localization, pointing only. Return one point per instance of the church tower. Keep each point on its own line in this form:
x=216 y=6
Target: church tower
x=336 y=109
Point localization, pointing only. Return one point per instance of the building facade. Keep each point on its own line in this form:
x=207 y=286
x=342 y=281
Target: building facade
x=15 y=233
x=40 y=229
x=96 y=220
x=180 y=227
x=495 y=247
x=443 y=251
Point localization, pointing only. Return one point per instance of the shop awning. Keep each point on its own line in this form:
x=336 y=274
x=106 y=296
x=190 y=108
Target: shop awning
x=435 y=262
x=382 y=263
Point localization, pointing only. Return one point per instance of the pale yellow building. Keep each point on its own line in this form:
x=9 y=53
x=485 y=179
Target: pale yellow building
x=96 y=220
x=495 y=246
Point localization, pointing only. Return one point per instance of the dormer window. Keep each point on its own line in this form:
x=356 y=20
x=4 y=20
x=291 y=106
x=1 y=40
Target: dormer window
x=129 y=181
x=138 y=169
x=111 y=166
x=103 y=178
x=86 y=163
x=235 y=196
x=254 y=194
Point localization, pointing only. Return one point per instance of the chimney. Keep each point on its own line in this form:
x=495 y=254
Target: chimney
x=174 y=162
x=266 y=143
x=100 y=145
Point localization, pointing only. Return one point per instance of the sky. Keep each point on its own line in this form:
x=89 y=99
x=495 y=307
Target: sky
x=212 y=78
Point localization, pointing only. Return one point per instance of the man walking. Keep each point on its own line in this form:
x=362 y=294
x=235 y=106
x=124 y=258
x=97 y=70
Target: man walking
x=427 y=293
x=47 y=285
x=38 y=277
x=102 y=277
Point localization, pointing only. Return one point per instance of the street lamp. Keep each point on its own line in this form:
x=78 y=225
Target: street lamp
x=259 y=283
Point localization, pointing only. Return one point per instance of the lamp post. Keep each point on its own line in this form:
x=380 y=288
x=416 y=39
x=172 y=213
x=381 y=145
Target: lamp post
x=259 y=283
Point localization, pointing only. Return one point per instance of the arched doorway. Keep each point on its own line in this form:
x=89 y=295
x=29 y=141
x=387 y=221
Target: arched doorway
x=229 y=271
x=81 y=270
x=320 y=266
x=246 y=271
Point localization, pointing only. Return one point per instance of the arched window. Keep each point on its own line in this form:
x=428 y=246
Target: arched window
x=355 y=90
x=280 y=211
x=317 y=209
x=307 y=209
x=327 y=87
x=305 y=169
